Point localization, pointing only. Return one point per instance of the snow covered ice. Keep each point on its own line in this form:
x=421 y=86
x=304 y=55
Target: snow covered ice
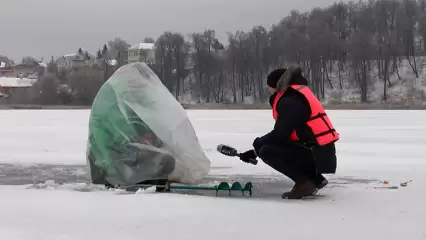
x=49 y=145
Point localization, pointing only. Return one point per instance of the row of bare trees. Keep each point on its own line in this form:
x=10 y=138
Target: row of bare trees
x=346 y=45
x=343 y=45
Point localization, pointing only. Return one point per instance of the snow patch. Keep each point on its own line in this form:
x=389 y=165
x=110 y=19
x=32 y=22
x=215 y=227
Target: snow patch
x=147 y=190
x=80 y=187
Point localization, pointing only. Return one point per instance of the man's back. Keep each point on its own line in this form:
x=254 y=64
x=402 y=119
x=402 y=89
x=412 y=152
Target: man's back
x=294 y=108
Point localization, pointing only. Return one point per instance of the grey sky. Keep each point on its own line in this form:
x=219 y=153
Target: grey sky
x=44 y=28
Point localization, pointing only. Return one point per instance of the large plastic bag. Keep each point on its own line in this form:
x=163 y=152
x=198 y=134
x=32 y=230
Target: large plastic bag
x=139 y=132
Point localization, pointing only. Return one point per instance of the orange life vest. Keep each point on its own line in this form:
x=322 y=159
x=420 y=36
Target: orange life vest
x=319 y=123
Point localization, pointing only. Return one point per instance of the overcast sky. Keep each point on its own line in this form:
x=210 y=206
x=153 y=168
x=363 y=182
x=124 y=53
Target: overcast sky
x=42 y=28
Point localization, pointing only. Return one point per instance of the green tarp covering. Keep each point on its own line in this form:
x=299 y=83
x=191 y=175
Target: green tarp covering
x=139 y=132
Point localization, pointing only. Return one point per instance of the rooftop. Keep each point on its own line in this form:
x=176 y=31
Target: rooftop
x=16 y=82
x=142 y=45
x=70 y=55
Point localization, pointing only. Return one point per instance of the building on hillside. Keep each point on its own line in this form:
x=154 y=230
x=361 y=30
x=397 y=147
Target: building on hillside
x=75 y=61
x=16 y=90
x=5 y=62
x=142 y=52
x=5 y=68
x=22 y=71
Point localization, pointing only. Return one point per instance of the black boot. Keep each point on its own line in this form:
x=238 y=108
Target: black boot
x=287 y=194
x=300 y=190
x=320 y=181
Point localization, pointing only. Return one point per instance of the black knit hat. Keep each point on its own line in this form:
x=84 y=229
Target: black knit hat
x=280 y=78
x=274 y=77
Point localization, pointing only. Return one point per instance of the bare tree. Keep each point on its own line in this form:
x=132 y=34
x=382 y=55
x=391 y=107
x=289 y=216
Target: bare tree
x=118 y=50
x=29 y=61
x=85 y=84
x=46 y=90
x=148 y=40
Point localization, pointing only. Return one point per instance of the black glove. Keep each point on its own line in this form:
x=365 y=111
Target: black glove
x=246 y=156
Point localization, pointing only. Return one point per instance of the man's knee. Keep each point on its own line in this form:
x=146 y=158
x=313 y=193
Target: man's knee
x=284 y=153
x=263 y=152
x=267 y=152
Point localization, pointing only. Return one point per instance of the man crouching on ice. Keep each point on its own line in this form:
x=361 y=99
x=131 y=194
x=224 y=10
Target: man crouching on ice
x=301 y=145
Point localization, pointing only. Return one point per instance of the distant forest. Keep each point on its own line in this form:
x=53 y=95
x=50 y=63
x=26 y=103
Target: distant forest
x=353 y=37
x=344 y=35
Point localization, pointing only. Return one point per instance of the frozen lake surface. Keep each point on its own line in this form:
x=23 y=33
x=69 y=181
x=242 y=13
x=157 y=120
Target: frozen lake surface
x=49 y=145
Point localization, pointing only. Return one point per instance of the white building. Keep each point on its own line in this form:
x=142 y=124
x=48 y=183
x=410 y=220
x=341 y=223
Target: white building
x=75 y=60
x=142 y=52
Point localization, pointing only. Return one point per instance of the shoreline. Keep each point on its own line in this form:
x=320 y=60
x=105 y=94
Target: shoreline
x=225 y=107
